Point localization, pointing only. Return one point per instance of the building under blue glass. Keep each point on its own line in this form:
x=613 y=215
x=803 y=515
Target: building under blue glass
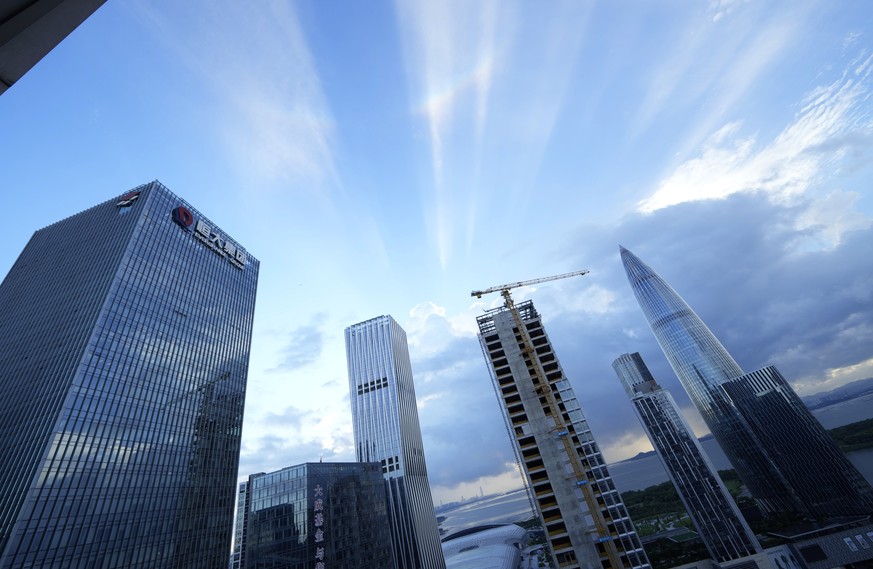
x=124 y=346
x=314 y=516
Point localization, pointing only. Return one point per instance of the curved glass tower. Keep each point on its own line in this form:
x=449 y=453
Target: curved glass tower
x=768 y=434
x=702 y=365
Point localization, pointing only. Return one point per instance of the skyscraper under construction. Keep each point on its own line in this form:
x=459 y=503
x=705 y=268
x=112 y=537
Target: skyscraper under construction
x=585 y=520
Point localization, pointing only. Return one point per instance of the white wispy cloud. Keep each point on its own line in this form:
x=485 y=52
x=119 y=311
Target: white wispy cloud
x=272 y=113
x=833 y=119
x=449 y=48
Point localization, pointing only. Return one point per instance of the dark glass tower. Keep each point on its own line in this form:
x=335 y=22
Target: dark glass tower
x=386 y=429
x=704 y=367
x=124 y=347
x=714 y=513
x=315 y=516
x=826 y=481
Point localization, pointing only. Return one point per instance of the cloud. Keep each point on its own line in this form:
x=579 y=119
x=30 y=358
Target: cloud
x=833 y=125
x=272 y=114
x=273 y=452
x=303 y=346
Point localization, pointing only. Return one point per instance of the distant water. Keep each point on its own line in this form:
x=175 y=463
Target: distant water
x=502 y=508
x=636 y=474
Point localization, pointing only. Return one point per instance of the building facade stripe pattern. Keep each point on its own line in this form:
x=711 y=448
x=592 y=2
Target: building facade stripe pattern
x=702 y=364
x=387 y=431
x=572 y=527
x=719 y=523
x=742 y=424
x=796 y=440
x=124 y=348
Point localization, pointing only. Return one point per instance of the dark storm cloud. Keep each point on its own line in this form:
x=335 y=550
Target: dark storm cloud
x=755 y=280
x=741 y=264
x=462 y=428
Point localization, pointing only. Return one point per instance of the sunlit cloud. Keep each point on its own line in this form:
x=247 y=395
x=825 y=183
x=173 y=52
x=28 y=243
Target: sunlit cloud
x=833 y=119
x=449 y=49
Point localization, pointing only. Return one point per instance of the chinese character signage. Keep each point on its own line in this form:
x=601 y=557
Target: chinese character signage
x=318 y=522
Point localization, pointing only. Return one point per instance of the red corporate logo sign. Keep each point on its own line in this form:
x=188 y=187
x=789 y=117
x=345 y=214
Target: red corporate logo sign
x=183 y=216
x=127 y=199
x=209 y=236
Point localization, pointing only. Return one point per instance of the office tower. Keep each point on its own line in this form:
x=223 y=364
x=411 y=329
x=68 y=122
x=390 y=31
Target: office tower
x=703 y=366
x=29 y=29
x=240 y=533
x=827 y=482
x=318 y=515
x=386 y=428
x=713 y=511
x=585 y=520
x=124 y=347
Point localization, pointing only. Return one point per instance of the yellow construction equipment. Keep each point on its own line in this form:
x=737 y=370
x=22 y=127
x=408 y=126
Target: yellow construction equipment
x=545 y=390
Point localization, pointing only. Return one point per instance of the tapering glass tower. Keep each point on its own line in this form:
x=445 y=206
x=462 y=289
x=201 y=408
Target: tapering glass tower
x=702 y=364
x=124 y=348
x=740 y=410
x=387 y=431
x=713 y=511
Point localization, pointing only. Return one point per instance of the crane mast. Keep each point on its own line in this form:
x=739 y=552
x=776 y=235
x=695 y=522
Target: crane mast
x=561 y=428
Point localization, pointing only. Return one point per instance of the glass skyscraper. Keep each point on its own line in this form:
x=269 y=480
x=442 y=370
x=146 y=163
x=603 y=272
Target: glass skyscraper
x=826 y=481
x=719 y=523
x=387 y=431
x=704 y=367
x=314 y=516
x=585 y=520
x=124 y=347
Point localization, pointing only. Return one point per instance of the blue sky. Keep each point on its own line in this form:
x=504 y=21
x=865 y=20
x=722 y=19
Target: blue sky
x=387 y=157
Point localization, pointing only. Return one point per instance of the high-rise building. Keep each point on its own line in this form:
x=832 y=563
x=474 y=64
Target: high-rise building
x=317 y=515
x=825 y=480
x=704 y=366
x=29 y=29
x=585 y=521
x=240 y=529
x=124 y=347
x=387 y=431
x=719 y=523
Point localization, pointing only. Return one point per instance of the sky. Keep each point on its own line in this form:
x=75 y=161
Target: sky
x=389 y=158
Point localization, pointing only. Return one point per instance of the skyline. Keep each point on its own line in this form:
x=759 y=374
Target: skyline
x=388 y=159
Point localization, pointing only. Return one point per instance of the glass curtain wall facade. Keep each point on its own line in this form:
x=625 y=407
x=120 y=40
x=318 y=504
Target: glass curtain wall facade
x=585 y=520
x=827 y=482
x=316 y=516
x=124 y=349
x=722 y=528
x=702 y=364
x=387 y=431
x=237 y=558
x=749 y=414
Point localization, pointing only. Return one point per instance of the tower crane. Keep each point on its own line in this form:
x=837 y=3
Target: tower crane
x=544 y=389
x=504 y=289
